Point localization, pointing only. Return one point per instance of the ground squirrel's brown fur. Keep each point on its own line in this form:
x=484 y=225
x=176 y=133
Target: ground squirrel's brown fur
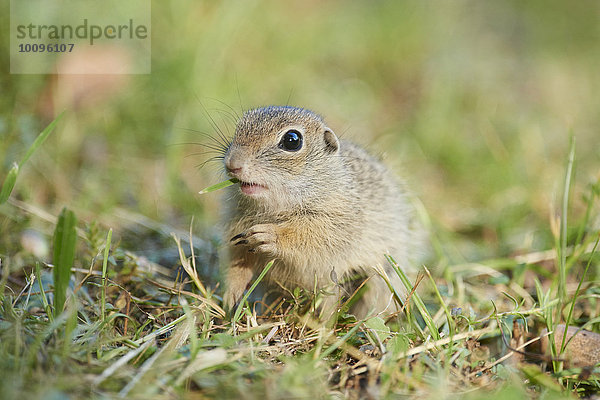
x=322 y=208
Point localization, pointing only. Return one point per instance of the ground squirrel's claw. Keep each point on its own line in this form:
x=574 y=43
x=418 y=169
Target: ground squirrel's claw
x=238 y=236
x=259 y=238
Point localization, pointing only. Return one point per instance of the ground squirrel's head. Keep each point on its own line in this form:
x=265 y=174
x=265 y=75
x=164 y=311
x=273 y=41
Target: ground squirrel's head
x=280 y=154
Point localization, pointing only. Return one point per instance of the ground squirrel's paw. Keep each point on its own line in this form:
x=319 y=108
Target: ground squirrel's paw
x=260 y=238
x=231 y=299
x=238 y=277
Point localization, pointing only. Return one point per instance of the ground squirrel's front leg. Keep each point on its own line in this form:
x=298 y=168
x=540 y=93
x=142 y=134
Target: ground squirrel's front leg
x=238 y=277
x=261 y=238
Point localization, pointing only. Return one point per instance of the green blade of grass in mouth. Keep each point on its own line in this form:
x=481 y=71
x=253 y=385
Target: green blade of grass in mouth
x=219 y=186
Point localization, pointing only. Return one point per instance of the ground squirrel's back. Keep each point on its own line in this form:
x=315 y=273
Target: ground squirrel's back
x=324 y=209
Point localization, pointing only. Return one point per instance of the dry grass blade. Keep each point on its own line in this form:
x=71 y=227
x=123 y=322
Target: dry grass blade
x=206 y=360
x=146 y=367
x=121 y=362
x=189 y=268
x=218 y=310
x=441 y=342
x=507 y=356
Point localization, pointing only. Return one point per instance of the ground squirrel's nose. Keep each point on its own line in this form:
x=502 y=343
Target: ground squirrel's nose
x=233 y=165
x=234 y=171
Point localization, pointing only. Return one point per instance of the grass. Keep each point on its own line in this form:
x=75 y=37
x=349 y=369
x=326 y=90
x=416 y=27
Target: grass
x=11 y=178
x=219 y=186
x=128 y=331
x=474 y=102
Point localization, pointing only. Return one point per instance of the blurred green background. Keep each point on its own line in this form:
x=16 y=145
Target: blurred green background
x=473 y=102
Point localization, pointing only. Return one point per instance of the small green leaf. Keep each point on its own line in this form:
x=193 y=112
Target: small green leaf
x=9 y=183
x=65 y=239
x=499 y=280
x=379 y=327
x=219 y=186
x=398 y=344
x=536 y=376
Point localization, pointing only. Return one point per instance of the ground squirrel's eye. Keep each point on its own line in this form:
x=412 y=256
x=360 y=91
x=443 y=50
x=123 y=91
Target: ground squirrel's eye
x=291 y=140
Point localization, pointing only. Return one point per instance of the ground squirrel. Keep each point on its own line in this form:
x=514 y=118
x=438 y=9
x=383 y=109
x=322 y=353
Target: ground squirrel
x=322 y=208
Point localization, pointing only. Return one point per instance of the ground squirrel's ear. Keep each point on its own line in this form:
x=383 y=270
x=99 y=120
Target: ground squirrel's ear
x=332 y=144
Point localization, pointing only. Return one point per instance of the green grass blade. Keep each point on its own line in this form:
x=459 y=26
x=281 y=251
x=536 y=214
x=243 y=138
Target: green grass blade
x=193 y=334
x=9 y=183
x=41 y=338
x=38 y=276
x=576 y=296
x=11 y=177
x=562 y=276
x=65 y=239
x=104 y=268
x=70 y=325
x=218 y=186
x=41 y=138
x=451 y=327
x=586 y=219
x=416 y=298
x=341 y=340
x=238 y=311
